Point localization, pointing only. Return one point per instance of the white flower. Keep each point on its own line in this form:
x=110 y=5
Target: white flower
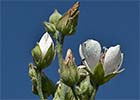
x=45 y=43
x=90 y=51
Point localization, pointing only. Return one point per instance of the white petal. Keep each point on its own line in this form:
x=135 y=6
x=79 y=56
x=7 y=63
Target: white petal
x=122 y=56
x=112 y=59
x=45 y=43
x=91 y=51
x=81 y=52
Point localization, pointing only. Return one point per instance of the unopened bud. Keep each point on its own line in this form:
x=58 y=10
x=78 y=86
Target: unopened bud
x=43 y=53
x=68 y=22
x=68 y=71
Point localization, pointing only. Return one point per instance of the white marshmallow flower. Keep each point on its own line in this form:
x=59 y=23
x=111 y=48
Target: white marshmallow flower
x=103 y=66
x=43 y=53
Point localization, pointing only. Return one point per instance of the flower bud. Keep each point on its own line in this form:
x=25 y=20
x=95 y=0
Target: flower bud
x=50 y=28
x=68 y=22
x=68 y=70
x=43 y=53
x=55 y=17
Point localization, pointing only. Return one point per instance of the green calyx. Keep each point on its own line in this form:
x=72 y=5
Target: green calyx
x=41 y=62
x=37 y=55
x=99 y=75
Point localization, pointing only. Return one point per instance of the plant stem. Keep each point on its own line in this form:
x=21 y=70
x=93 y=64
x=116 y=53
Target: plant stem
x=59 y=43
x=74 y=93
x=94 y=93
x=39 y=85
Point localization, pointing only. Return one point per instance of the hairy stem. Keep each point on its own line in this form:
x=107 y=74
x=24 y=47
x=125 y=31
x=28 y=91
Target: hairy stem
x=74 y=93
x=59 y=44
x=39 y=85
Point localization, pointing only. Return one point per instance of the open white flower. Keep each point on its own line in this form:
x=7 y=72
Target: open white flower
x=90 y=51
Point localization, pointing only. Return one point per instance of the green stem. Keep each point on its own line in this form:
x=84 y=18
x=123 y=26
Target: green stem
x=74 y=93
x=39 y=85
x=94 y=93
x=59 y=44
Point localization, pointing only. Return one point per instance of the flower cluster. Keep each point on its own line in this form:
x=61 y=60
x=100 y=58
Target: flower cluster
x=109 y=61
x=76 y=82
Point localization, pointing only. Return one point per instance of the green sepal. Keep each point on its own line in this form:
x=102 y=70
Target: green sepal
x=37 y=54
x=55 y=17
x=49 y=27
x=98 y=73
x=110 y=76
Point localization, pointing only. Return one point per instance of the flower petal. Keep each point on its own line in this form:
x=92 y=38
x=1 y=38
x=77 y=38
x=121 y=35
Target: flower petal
x=44 y=43
x=81 y=52
x=91 y=51
x=112 y=59
x=122 y=56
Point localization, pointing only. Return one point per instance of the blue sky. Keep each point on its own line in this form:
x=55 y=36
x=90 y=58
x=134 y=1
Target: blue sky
x=108 y=22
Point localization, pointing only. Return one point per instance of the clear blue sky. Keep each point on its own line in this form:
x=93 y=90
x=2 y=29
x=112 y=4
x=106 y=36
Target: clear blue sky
x=109 y=22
